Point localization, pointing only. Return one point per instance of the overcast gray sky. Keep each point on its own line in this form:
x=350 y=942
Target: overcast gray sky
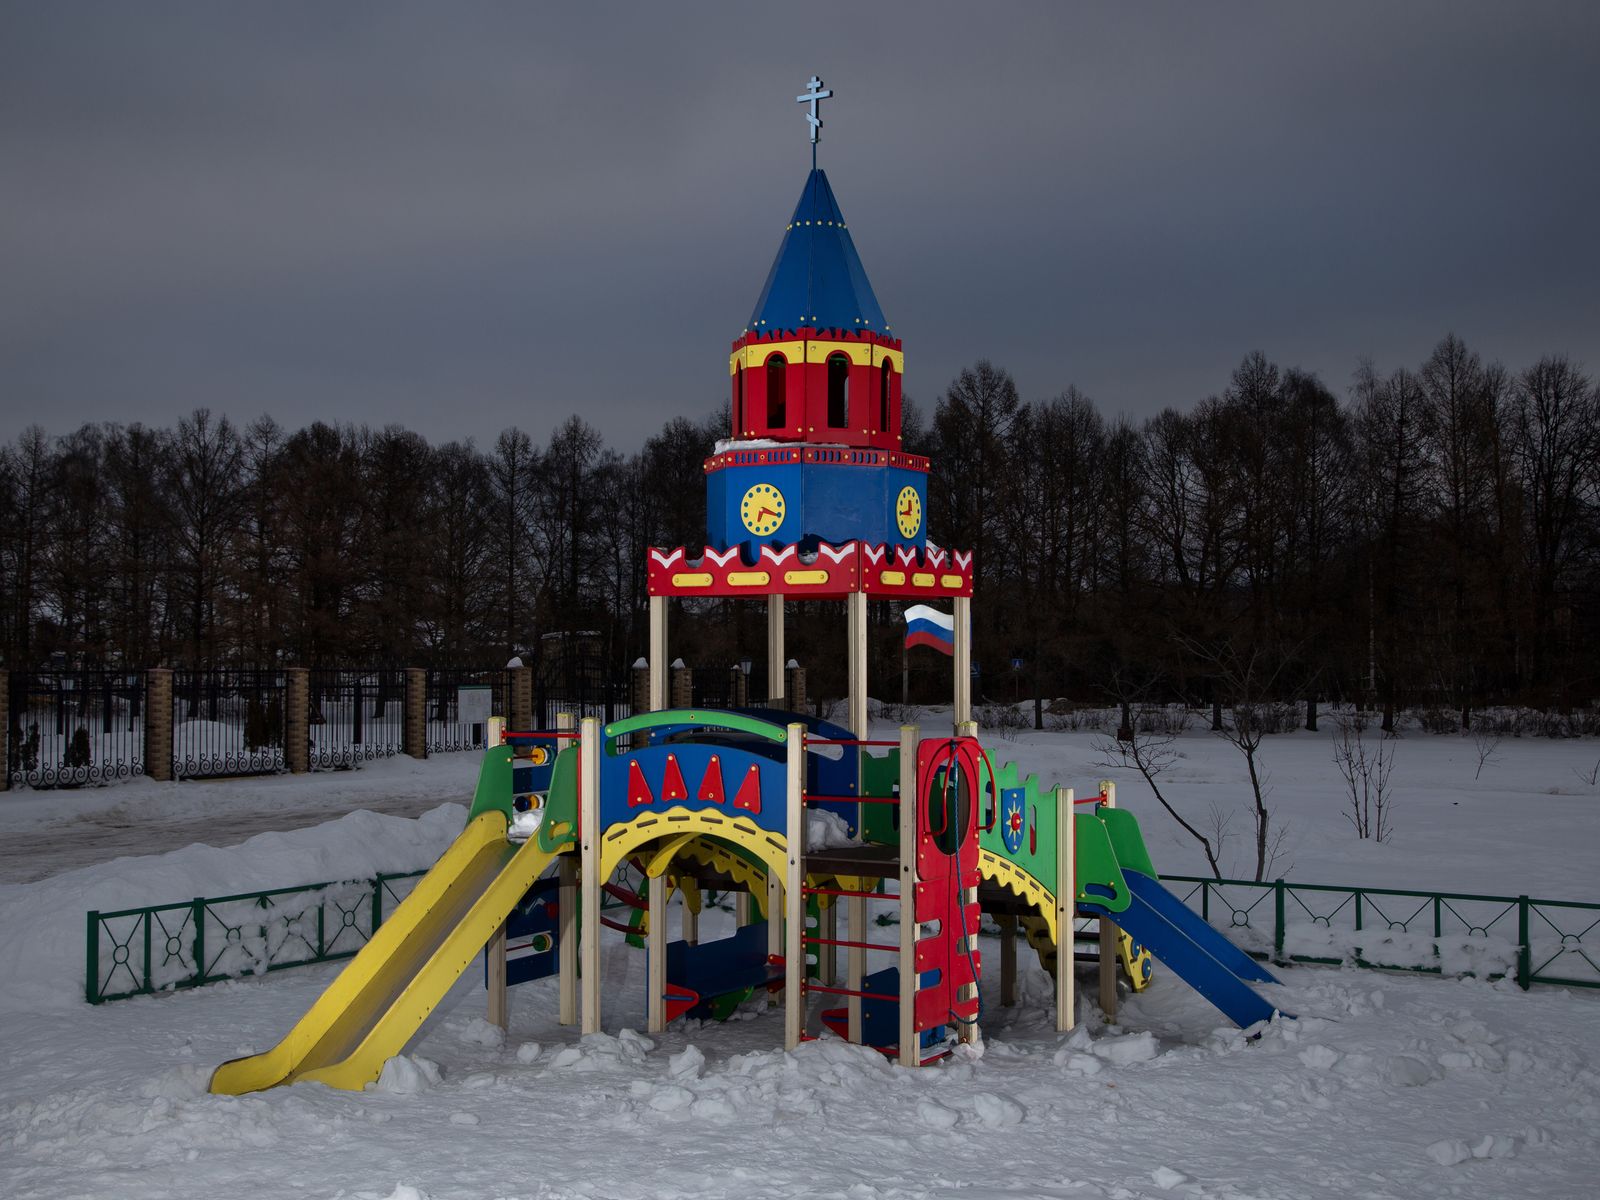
x=464 y=216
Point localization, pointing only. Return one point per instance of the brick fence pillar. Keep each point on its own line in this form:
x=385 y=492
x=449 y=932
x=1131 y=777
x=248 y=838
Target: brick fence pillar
x=297 y=720
x=158 y=724
x=680 y=691
x=5 y=728
x=641 y=686
x=415 y=741
x=795 y=693
x=520 y=710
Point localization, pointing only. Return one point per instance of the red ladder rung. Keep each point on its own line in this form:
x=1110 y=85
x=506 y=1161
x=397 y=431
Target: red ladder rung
x=816 y=941
x=809 y=799
x=836 y=991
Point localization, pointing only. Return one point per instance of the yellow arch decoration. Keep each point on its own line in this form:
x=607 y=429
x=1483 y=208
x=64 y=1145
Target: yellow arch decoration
x=1021 y=884
x=1040 y=928
x=620 y=841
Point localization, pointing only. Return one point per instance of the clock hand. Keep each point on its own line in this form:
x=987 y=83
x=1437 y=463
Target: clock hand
x=763 y=513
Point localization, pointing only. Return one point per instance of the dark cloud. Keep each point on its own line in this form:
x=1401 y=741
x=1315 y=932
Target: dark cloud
x=462 y=217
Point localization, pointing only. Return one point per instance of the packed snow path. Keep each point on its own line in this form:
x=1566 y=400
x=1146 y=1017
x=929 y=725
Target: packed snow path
x=47 y=833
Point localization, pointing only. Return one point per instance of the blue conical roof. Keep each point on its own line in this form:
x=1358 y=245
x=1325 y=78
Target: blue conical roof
x=817 y=279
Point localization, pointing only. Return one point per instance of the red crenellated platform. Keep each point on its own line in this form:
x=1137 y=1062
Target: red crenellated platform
x=888 y=572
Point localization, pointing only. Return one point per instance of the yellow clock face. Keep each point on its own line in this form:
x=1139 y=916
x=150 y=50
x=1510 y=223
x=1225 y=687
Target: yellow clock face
x=908 y=512
x=762 y=509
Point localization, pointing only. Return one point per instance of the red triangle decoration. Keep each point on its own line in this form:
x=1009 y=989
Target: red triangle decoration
x=672 y=785
x=711 y=790
x=638 y=789
x=749 y=796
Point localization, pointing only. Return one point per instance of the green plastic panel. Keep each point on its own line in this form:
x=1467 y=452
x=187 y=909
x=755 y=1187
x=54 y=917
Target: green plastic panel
x=879 y=777
x=561 y=803
x=1037 y=852
x=1127 y=841
x=1097 y=864
x=494 y=784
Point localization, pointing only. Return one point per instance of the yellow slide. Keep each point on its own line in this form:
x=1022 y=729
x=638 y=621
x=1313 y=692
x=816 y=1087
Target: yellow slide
x=379 y=1001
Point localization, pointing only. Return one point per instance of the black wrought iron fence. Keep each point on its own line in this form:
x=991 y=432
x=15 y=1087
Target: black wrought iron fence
x=459 y=703
x=1439 y=933
x=730 y=686
x=69 y=728
x=227 y=722
x=355 y=716
x=583 y=685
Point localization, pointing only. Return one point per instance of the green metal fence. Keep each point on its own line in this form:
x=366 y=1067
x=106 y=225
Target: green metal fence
x=137 y=951
x=1439 y=933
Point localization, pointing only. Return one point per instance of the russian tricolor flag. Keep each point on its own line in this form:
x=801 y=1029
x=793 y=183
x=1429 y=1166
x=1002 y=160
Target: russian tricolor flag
x=929 y=627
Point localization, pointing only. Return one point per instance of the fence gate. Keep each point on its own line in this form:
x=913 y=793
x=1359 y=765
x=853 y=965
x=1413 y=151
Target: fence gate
x=69 y=728
x=355 y=716
x=227 y=722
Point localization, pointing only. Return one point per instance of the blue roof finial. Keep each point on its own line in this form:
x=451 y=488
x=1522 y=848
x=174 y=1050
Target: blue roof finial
x=817 y=280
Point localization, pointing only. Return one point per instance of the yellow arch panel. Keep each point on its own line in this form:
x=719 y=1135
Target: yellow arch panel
x=620 y=841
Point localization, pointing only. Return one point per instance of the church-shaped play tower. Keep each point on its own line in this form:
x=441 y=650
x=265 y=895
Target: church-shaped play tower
x=814 y=497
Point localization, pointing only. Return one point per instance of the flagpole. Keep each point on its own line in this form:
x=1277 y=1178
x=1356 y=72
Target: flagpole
x=905 y=673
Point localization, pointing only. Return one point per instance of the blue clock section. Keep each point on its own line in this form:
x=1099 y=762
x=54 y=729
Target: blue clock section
x=836 y=502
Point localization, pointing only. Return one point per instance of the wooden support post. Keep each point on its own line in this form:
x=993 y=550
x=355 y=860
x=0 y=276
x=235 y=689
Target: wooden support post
x=691 y=919
x=1008 y=960
x=794 y=950
x=856 y=611
x=495 y=976
x=1066 y=909
x=567 y=912
x=567 y=939
x=742 y=904
x=589 y=852
x=962 y=695
x=775 y=659
x=909 y=1054
x=1109 y=933
x=655 y=940
x=774 y=913
x=658 y=653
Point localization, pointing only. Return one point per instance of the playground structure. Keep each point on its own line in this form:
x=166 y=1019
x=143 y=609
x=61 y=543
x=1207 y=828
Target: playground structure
x=798 y=819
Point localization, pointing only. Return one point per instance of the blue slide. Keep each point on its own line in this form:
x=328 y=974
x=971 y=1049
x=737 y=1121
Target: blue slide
x=1195 y=952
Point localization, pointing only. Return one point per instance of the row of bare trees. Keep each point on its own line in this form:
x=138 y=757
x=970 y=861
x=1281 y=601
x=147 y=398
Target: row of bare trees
x=1432 y=537
x=210 y=544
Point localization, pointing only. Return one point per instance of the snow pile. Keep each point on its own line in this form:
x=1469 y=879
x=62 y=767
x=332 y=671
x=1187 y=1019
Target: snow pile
x=42 y=924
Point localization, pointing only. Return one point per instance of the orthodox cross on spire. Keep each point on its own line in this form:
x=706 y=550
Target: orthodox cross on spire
x=814 y=94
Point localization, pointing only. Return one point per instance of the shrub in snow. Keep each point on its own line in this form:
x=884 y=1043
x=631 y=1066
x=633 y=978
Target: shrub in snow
x=78 y=753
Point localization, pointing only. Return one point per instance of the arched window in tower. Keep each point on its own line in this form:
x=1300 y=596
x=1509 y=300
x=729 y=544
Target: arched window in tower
x=885 y=376
x=738 y=401
x=838 y=391
x=777 y=374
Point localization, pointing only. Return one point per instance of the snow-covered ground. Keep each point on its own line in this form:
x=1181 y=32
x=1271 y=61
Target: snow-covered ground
x=1386 y=1086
